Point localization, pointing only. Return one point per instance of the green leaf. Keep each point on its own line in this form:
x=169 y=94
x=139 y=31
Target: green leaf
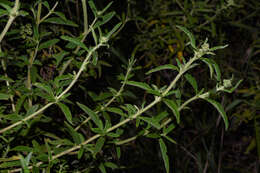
x=173 y=106
x=102 y=168
x=220 y=109
x=110 y=165
x=151 y=121
x=92 y=115
x=46 y=4
x=189 y=34
x=99 y=144
x=80 y=152
x=116 y=111
x=192 y=81
x=66 y=112
x=48 y=44
x=32 y=110
x=139 y=85
x=213 y=66
x=163 y=67
x=93 y=7
x=168 y=129
x=4 y=78
x=58 y=57
x=4 y=96
x=75 y=41
x=44 y=87
x=22 y=149
x=208 y=62
x=164 y=155
x=105 y=19
x=218 y=47
x=59 y=21
x=113 y=30
x=105 y=9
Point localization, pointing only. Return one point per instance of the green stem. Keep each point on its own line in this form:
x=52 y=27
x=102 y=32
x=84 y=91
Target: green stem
x=14 y=13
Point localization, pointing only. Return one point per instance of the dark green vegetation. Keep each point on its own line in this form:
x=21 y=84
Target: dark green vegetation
x=130 y=86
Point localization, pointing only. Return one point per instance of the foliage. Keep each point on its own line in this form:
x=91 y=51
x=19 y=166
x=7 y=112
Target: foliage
x=51 y=118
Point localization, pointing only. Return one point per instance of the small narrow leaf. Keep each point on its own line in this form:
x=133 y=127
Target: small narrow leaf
x=59 y=21
x=92 y=115
x=99 y=144
x=218 y=47
x=80 y=152
x=93 y=7
x=173 y=106
x=220 y=109
x=105 y=9
x=75 y=41
x=139 y=85
x=4 y=96
x=192 y=81
x=66 y=112
x=48 y=43
x=164 y=155
x=189 y=34
x=163 y=67
x=113 y=30
x=208 y=62
x=151 y=121
x=44 y=87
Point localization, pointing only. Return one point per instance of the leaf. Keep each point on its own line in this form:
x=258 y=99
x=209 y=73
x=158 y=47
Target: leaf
x=163 y=67
x=212 y=66
x=58 y=57
x=32 y=110
x=44 y=87
x=189 y=34
x=113 y=30
x=110 y=165
x=80 y=152
x=75 y=41
x=105 y=9
x=99 y=144
x=4 y=78
x=151 y=121
x=4 y=96
x=116 y=110
x=173 y=106
x=59 y=21
x=218 y=47
x=164 y=155
x=93 y=7
x=92 y=115
x=22 y=149
x=220 y=109
x=139 y=85
x=105 y=19
x=102 y=168
x=192 y=81
x=168 y=129
x=66 y=112
x=48 y=43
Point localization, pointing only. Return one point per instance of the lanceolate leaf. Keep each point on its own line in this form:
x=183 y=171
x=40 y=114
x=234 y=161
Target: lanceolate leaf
x=139 y=85
x=192 y=81
x=75 y=41
x=163 y=67
x=190 y=35
x=164 y=155
x=92 y=115
x=4 y=96
x=66 y=111
x=48 y=43
x=220 y=109
x=151 y=121
x=99 y=145
x=173 y=106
